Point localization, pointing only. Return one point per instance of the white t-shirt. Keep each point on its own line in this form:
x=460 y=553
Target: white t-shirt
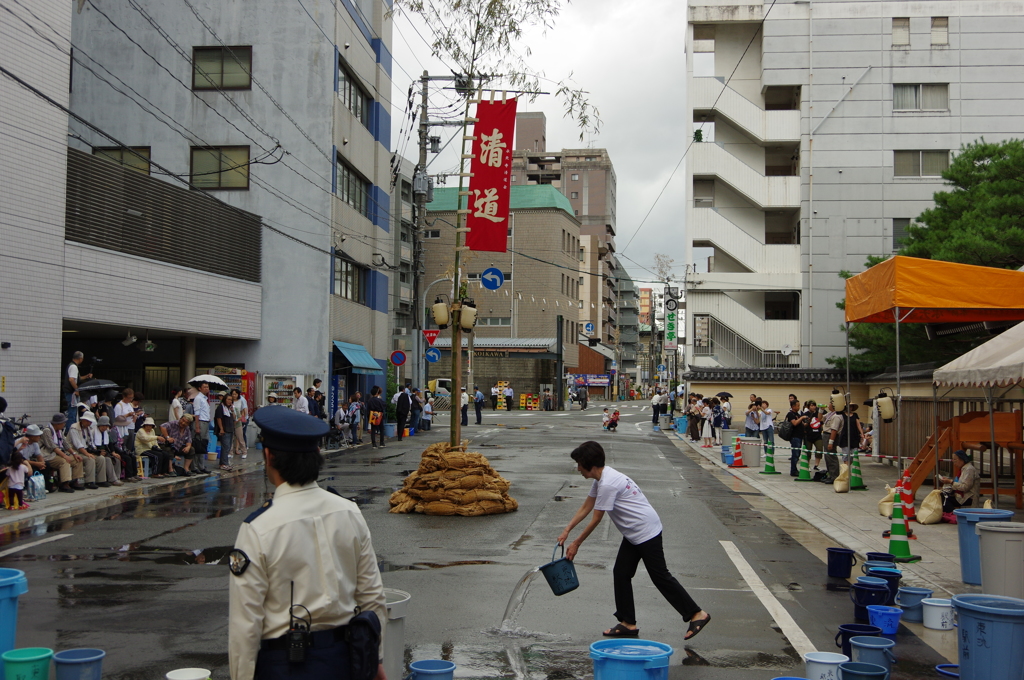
x=625 y=503
x=302 y=405
x=128 y=411
x=73 y=371
x=767 y=419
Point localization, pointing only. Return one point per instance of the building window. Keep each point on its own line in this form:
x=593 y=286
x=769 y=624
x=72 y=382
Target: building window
x=574 y=194
x=575 y=177
x=404 y=277
x=920 y=163
x=582 y=254
x=352 y=188
x=940 y=31
x=576 y=212
x=404 y=236
x=924 y=97
x=588 y=159
x=352 y=94
x=406 y=191
x=703 y=50
x=348 y=280
x=220 y=167
x=432 y=233
x=899 y=231
x=581 y=280
x=221 y=68
x=901 y=32
x=129 y=158
x=494 y=321
x=507 y=275
x=473 y=276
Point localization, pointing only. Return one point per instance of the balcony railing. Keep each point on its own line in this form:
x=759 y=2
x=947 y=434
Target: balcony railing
x=729 y=348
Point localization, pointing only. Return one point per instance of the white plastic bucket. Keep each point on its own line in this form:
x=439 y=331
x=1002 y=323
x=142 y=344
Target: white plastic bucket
x=937 y=613
x=823 y=665
x=189 y=674
x=394 y=640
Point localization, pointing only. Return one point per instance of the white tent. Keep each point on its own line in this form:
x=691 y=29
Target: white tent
x=997 y=363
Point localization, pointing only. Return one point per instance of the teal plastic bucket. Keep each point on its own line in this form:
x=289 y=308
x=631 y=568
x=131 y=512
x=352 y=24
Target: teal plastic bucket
x=848 y=631
x=909 y=599
x=560 y=573
x=12 y=584
x=431 y=669
x=876 y=650
x=79 y=664
x=886 y=618
x=990 y=637
x=27 y=663
x=728 y=458
x=630 y=660
x=852 y=670
x=873 y=581
x=874 y=564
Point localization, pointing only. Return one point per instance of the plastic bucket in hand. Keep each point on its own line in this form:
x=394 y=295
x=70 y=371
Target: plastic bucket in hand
x=823 y=665
x=630 y=660
x=892 y=578
x=937 y=613
x=970 y=550
x=12 y=584
x=27 y=663
x=880 y=557
x=848 y=631
x=886 y=618
x=865 y=567
x=876 y=650
x=862 y=671
x=909 y=599
x=431 y=669
x=560 y=573
x=991 y=635
x=864 y=594
x=79 y=664
x=189 y=674
x=840 y=562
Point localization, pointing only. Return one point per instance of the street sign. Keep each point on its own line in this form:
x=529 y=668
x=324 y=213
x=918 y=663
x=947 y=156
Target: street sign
x=398 y=357
x=661 y=368
x=671 y=329
x=492 y=278
x=588 y=328
x=671 y=305
x=615 y=364
x=431 y=336
x=433 y=355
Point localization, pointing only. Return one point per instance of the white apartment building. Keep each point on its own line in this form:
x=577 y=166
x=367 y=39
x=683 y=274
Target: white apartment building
x=823 y=127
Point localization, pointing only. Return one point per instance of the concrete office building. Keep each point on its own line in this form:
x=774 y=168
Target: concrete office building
x=285 y=115
x=517 y=324
x=819 y=137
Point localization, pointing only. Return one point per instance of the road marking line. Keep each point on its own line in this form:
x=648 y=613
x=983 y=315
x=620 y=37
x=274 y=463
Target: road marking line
x=19 y=548
x=796 y=636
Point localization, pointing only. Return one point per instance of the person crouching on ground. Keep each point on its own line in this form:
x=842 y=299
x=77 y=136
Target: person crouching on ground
x=616 y=494
x=613 y=422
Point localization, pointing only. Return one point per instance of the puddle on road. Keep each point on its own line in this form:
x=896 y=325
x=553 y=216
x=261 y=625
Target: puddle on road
x=741 y=658
x=527 y=662
x=386 y=566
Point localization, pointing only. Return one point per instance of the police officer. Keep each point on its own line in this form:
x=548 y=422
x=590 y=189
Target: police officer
x=302 y=559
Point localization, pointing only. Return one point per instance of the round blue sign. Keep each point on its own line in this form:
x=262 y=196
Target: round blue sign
x=589 y=327
x=433 y=355
x=398 y=357
x=661 y=368
x=492 y=278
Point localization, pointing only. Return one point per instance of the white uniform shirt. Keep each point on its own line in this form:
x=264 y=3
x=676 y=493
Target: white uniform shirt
x=320 y=542
x=302 y=405
x=626 y=505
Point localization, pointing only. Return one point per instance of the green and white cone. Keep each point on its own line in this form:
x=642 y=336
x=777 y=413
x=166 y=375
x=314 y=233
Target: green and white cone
x=856 y=481
x=769 y=460
x=805 y=466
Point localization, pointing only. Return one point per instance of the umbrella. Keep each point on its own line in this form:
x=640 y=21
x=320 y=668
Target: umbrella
x=97 y=385
x=216 y=384
x=724 y=394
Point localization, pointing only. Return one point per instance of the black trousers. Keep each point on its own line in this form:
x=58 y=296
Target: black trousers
x=508 y=403
x=402 y=417
x=328 y=660
x=494 y=402
x=479 y=406
x=652 y=553
x=465 y=414
x=377 y=432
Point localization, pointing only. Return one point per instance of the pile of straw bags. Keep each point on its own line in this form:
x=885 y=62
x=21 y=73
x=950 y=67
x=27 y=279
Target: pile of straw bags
x=453 y=482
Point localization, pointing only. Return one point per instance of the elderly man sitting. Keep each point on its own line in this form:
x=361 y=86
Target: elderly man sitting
x=178 y=435
x=81 y=437
x=57 y=453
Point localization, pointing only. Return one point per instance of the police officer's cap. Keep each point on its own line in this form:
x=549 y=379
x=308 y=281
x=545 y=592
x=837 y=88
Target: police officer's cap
x=286 y=430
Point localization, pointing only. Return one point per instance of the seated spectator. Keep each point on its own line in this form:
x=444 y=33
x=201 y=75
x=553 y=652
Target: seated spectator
x=867 y=439
x=147 y=443
x=965 y=485
x=119 y=442
x=80 y=438
x=57 y=455
x=30 y=450
x=102 y=446
x=178 y=436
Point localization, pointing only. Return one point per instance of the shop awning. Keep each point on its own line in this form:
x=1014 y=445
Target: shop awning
x=930 y=291
x=361 y=360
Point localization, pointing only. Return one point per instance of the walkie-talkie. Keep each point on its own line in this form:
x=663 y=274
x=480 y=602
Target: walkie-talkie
x=299 y=637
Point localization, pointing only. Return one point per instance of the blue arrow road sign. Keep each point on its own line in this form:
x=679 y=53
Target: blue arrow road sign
x=589 y=327
x=433 y=354
x=661 y=368
x=492 y=278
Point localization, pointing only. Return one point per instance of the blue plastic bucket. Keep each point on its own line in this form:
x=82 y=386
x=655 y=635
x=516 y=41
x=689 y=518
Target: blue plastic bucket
x=431 y=669
x=852 y=670
x=876 y=650
x=726 y=451
x=848 y=631
x=27 y=663
x=12 y=584
x=867 y=566
x=728 y=458
x=864 y=594
x=970 y=550
x=880 y=557
x=886 y=618
x=873 y=580
x=892 y=578
x=840 y=562
x=990 y=637
x=909 y=599
x=560 y=573
x=681 y=424
x=630 y=660
x=79 y=664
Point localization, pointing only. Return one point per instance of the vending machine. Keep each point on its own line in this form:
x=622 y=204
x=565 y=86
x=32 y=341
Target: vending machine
x=282 y=387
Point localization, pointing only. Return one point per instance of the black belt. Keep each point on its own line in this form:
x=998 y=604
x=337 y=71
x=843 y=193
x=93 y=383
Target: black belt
x=319 y=638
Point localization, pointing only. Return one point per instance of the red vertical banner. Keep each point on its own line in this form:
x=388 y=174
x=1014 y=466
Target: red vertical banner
x=491 y=167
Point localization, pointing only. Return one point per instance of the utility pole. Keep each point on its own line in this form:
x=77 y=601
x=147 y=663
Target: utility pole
x=618 y=339
x=420 y=196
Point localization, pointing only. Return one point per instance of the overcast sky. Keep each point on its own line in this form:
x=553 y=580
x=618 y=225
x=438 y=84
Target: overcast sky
x=630 y=57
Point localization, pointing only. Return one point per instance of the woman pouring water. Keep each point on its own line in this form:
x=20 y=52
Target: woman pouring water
x=617 y=495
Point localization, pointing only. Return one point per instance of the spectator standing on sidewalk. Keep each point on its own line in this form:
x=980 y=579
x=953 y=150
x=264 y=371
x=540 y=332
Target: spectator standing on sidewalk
x=478 y=404
x=299 y=403
x=494 y=398
x=767 y=425
x=73 y=376
x=464 y=405
x=355 y=417
x=225 y=421
x=201 y=410
x=427 y=417
x=127 y=410
x=403 y=407
x=752 y=422
x=832 y=431
x=812 y=433
x=378 y=411
x=796 y=441
x=240 y=411
x=508 y=398
x=417 y=409
x=175 y=408
x=727 y=411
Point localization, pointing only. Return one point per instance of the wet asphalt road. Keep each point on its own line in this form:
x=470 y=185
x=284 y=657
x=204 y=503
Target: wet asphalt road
x=143 y=579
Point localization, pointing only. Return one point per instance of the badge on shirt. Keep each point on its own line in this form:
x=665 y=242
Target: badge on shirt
x=238 y=562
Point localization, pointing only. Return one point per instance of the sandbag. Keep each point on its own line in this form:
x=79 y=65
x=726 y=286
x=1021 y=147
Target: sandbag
x=930 y=511
x=453 y=481
x=885 y=505
x=841 y=484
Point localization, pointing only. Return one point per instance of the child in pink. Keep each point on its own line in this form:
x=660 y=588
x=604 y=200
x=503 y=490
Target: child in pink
x=16 y=475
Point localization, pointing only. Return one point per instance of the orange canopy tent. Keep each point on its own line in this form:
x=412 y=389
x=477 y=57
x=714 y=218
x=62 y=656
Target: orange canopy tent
x=914 y=290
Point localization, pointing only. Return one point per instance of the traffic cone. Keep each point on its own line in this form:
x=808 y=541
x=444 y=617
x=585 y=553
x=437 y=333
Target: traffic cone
x=856 y=481
x=805 y=466
x=737 y=456
x=899 y=547
x=907 y=496
x=769 y=460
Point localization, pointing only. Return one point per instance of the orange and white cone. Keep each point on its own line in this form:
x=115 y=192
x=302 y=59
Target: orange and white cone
x=907 y=496
x=737 y=456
